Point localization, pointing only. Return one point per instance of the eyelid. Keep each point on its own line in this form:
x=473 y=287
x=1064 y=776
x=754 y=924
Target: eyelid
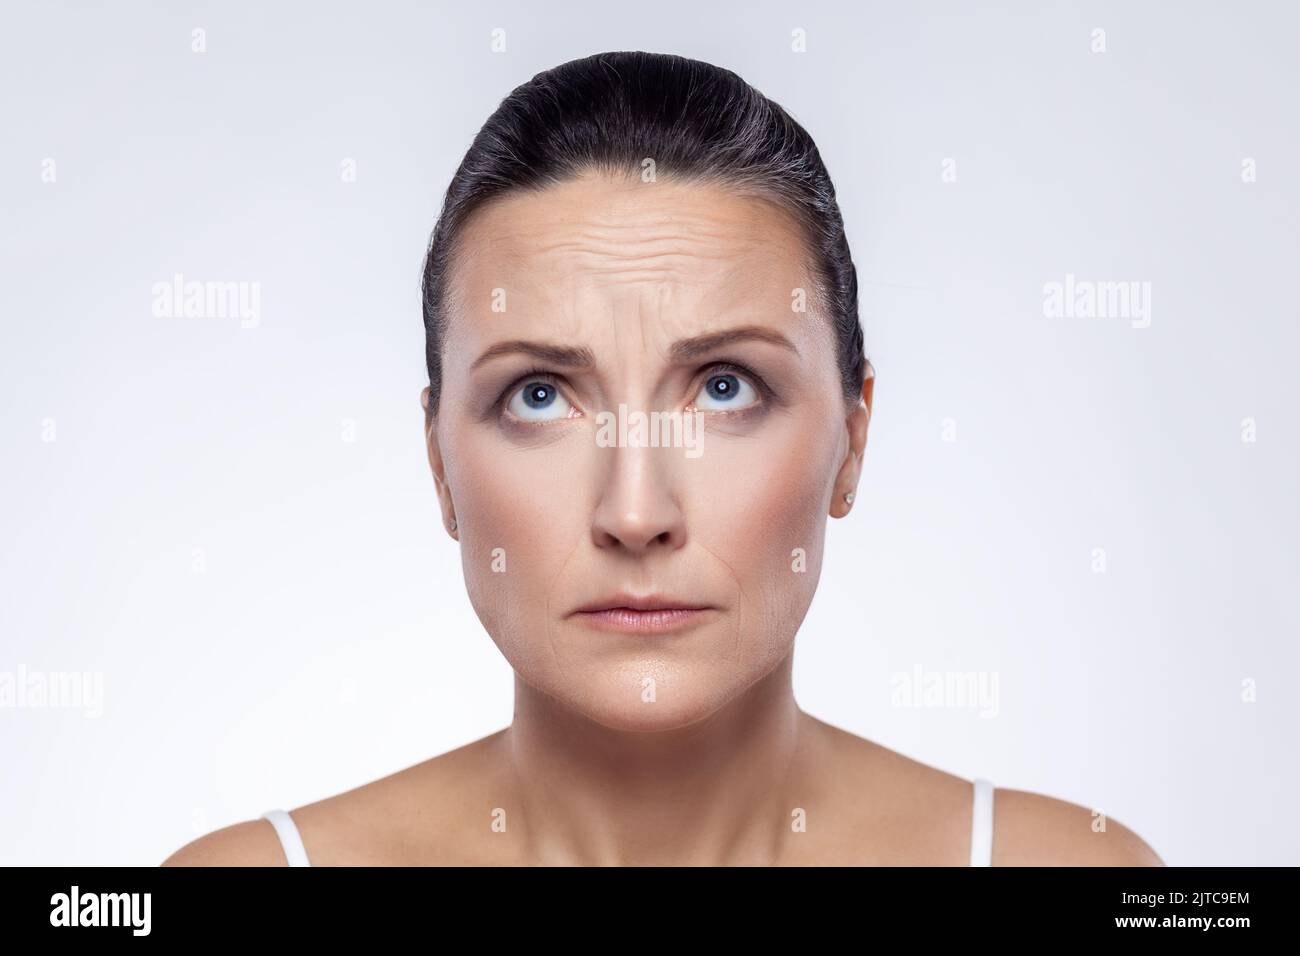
x=528 y=375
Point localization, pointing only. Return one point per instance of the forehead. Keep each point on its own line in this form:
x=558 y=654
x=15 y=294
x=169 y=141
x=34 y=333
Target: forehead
x=680 y=258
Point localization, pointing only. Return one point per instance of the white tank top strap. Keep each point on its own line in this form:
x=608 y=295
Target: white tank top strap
x=289 y=836
x=981 y=827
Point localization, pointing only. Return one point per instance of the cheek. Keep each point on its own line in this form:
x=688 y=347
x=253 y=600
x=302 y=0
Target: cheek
x=520 y=523
x=759 y=505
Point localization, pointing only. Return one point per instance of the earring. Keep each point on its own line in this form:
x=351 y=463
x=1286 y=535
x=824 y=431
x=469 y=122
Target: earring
x=848 y=497
x=453 y=524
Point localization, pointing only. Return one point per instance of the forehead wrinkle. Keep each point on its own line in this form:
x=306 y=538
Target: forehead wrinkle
x=604 y=228
x=608 y=252
x=607 y=230
x=698 y=261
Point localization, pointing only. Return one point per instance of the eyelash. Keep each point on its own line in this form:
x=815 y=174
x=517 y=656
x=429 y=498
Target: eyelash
x=537 y=373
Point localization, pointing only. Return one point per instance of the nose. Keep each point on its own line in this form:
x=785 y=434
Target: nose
x=638 y=510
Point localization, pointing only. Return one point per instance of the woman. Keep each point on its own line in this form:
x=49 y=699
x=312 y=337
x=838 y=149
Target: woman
x=647 y=391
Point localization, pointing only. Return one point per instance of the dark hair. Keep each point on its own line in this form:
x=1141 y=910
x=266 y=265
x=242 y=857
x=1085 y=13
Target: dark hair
x=697 y=121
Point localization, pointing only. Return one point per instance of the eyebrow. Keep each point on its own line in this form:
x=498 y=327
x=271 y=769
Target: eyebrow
x=683 y=350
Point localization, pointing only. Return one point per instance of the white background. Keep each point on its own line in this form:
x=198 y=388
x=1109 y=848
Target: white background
x=328 y=639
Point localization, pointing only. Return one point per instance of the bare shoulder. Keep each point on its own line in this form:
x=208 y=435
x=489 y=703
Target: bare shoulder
x=415 y=816
x=910 y=812
x=1032 y=829
x=891 y=809
x=248 y=843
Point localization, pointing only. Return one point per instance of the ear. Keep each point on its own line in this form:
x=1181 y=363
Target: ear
x=436 y=466
x=859 y=417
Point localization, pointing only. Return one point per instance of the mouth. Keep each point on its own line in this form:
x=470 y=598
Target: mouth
x=648 y=614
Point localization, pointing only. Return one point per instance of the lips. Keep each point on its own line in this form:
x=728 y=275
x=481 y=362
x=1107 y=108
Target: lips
x=650 y=613
x=646 y=602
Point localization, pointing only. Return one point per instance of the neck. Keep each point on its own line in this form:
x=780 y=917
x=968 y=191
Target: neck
x=716 y=792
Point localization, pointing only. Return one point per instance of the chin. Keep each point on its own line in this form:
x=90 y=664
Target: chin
x=637 y=682
x=621 y=702
x=645 y=692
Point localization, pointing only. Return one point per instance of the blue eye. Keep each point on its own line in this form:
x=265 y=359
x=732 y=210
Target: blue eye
x=538 y=401
x=729 y=392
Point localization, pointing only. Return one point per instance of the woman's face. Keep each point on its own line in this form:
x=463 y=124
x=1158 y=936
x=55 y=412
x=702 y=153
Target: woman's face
x=570 y=302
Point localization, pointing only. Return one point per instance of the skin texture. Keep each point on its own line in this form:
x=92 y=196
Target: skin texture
x=685 y=748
